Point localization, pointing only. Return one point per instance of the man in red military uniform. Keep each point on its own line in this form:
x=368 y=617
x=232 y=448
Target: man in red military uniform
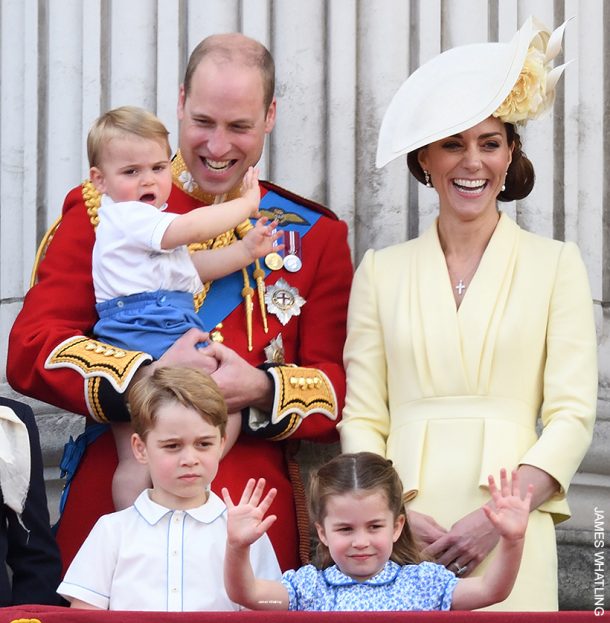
x=277 y=331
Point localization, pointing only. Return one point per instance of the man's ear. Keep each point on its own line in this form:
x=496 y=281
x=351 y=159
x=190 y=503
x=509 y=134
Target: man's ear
x=138 y=448
x=321 y=533
x=181 y=102
x=270 y=116
x=98 y=179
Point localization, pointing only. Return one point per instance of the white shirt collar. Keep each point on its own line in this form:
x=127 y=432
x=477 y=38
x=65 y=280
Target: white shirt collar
x=152 y=512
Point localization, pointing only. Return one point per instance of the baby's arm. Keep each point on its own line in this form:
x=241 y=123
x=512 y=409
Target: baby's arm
x=510 y=519
x=210 y=221
x=216 y=263
x=246 y=523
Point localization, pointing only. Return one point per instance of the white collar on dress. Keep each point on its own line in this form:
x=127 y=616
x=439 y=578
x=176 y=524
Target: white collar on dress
x=335 y=577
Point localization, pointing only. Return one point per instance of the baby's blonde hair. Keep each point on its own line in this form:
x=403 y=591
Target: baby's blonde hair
x=124 y=122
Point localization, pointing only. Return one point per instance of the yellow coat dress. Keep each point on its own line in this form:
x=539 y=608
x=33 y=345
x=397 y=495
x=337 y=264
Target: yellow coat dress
x=452 y=396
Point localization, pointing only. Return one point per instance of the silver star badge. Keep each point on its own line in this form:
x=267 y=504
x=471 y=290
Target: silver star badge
x=188 y=183
x=283 y=300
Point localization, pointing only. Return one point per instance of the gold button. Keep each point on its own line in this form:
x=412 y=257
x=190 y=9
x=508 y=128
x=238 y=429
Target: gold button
x=216 y=336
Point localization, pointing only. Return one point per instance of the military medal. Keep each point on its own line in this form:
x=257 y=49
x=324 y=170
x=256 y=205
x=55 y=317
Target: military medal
x=283 y=300
x=274 y=260
x=292 y=251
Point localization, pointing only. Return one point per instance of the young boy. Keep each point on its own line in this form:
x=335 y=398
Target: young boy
x=166 y=552
x=143 y=274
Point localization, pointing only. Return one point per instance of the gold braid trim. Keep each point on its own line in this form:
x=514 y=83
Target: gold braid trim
x=95 y=407
x=300 y=502
x=298 y=393
x=223 y=240
x=93 y=200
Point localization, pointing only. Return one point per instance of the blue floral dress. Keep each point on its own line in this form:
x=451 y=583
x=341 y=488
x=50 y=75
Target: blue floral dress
x=426 y=586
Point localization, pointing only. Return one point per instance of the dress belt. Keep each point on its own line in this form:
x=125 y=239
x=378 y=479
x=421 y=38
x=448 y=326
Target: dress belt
x=465 y=407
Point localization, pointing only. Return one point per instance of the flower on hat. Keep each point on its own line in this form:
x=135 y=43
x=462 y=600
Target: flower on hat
x=529 y=98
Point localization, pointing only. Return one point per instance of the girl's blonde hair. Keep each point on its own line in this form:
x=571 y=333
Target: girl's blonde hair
x=362 y=472
x=124 y=122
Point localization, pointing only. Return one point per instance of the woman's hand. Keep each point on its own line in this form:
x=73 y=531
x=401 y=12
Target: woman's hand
x=467 y=543
x=424 y=528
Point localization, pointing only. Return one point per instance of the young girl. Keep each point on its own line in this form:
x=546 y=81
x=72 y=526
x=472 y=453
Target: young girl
x=368 y=559
x=143 y=274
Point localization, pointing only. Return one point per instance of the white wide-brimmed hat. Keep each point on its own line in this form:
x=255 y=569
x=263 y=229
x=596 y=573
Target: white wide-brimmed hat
x=464 y=85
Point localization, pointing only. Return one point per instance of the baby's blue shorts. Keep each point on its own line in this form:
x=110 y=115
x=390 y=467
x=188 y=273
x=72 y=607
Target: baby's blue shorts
x=149 y=322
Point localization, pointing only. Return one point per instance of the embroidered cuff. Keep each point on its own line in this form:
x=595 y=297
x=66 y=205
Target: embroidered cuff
x=298 y=392
x=107 y=372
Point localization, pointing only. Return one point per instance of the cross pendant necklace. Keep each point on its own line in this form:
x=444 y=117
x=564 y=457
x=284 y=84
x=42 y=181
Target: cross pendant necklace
x=460 y=287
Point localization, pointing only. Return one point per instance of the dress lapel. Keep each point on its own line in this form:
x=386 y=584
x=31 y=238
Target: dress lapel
x=435 y=327
x=454 y=349
x=480 y=314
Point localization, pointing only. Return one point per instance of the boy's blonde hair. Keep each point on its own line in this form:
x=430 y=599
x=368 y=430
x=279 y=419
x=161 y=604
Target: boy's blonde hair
x=189 y=387
x=124 y=122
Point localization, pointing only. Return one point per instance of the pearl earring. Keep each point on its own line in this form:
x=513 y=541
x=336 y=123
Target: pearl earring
x=427 y=178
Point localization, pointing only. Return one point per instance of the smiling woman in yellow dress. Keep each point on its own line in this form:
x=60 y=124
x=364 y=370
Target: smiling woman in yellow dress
x=461 y=339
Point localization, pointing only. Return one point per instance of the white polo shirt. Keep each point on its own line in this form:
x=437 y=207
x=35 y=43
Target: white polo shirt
x=148 y=557
x=127 y=255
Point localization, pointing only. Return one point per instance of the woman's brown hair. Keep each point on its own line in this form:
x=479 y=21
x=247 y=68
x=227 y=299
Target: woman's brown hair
x=520 y=176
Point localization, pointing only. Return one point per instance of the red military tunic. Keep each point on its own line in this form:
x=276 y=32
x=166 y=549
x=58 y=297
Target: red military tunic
x=48 y=359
